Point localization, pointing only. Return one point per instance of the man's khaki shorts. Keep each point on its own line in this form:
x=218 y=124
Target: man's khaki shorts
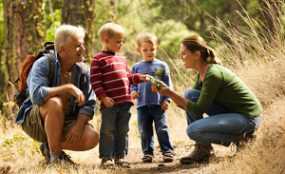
x=34 y=126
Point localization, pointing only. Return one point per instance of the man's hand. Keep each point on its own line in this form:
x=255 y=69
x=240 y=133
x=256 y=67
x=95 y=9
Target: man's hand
x=164 y=105
x=77 y=93
x=75 y=133
x=135 y=95
x=108 y=102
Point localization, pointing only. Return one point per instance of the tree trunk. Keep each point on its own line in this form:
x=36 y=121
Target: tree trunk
x=23 y=35
x=81 y=12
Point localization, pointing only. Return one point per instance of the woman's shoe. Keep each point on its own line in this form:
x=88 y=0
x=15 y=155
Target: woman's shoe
x=200 y=154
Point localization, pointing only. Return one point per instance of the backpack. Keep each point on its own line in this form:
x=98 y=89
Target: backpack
x=22 y=93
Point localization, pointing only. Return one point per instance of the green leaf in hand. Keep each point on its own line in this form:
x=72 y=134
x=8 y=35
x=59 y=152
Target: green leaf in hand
x=156 y=82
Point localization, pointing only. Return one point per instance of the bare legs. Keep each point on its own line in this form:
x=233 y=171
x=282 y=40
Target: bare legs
x=53 y=118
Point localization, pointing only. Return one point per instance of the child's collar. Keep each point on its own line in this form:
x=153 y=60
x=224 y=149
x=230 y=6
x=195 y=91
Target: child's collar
x=109 y=52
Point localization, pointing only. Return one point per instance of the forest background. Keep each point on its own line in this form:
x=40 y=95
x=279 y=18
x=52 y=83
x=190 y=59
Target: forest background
x=248 y=36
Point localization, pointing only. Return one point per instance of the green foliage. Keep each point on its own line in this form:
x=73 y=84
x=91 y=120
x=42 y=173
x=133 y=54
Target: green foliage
x=52 y=18
x=1 y=24
x=170 y=34
x=55 y=17
x=200 y=15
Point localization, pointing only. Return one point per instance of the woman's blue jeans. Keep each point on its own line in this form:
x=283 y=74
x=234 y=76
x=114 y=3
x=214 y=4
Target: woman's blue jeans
x=220 y=127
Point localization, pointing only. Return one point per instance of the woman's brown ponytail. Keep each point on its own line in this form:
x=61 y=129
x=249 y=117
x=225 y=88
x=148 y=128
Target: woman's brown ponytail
x=196 y=43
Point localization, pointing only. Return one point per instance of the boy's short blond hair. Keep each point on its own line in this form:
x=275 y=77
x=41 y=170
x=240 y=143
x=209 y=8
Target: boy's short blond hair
x=110 y=30
x=146 y=37
x=63 y=32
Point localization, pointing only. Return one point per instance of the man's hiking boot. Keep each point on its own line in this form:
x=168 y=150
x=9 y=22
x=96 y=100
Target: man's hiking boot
x=147 y=158
x=120 y=162
x=200 y=154
x=66 y=158
x=45 y=151
x=62 y=158
x=107 y=164
x=168 y=157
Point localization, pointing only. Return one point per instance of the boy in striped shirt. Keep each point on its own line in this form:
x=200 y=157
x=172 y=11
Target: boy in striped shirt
x=111 y=80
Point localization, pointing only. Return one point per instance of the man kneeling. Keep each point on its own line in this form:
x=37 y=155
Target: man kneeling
x=59 y=107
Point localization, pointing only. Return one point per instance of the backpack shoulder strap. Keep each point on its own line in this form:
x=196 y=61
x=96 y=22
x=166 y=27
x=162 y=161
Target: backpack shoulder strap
x=51 y=69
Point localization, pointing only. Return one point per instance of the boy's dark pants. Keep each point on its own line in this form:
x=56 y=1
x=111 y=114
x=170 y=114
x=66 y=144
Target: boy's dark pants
x=114 y=131
x=146 y=116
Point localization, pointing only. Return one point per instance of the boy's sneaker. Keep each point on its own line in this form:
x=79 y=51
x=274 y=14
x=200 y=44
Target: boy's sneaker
x=168 y=157
x=147 y=158
x=120 y=162
x=107 y=164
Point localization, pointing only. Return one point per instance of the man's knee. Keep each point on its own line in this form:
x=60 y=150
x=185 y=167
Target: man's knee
x=92 y=138
x=53 y=104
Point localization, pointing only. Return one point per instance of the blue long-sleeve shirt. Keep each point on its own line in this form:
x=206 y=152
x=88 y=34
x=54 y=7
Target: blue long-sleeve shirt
x=38 y=84
x=146 y=96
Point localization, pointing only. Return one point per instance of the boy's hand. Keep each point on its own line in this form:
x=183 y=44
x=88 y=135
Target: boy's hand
x=135 y=95
x=164 y=105
x=108 y=102
x=144 y=77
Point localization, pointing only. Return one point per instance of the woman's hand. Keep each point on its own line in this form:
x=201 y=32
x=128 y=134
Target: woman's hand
x=163 y=90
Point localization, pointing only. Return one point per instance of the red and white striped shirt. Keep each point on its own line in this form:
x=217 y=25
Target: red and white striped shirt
x=110 y=76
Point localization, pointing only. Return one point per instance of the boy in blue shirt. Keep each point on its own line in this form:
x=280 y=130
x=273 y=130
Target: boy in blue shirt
x=151 y=106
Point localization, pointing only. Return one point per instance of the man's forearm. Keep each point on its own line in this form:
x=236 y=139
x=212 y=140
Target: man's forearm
x=58 y=90
x=82 y=120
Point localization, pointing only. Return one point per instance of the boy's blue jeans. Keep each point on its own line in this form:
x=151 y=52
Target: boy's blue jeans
x=146 y=116
x=114 y=131
x=221 y=127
